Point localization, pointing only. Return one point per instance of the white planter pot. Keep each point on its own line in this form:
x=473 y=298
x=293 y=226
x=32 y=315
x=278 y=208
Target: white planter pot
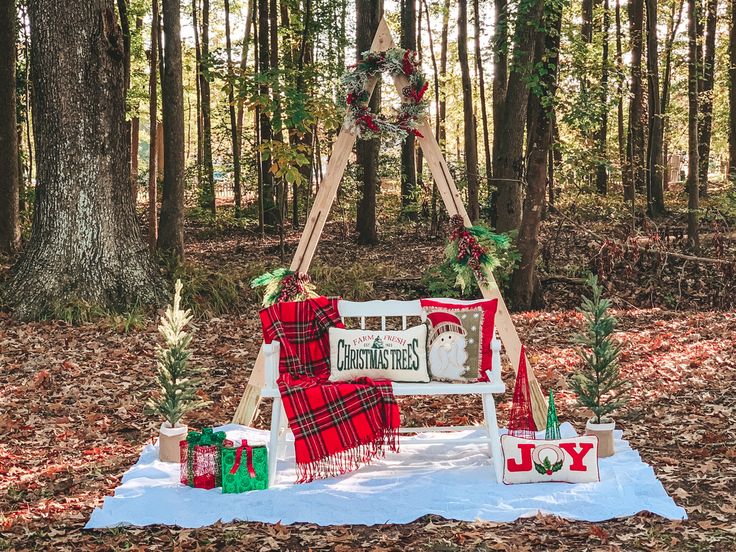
x=604 y=432
x=168 y=441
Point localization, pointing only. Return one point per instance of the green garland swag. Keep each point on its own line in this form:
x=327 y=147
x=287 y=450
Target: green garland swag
x=473 y=251
x=284 y=285
x=364 y=123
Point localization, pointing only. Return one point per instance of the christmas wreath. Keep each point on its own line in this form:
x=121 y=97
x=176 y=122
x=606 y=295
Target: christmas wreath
x=366 y=124
x=473 y=251
x=284 y=285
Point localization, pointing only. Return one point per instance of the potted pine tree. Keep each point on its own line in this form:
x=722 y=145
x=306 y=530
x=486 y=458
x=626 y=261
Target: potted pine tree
x=598 y=382
x=177 y=379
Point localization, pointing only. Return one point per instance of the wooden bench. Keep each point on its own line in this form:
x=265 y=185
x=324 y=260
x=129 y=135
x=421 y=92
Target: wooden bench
x=400 y=311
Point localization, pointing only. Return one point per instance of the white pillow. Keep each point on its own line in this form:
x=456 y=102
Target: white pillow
x=573 y=460
x=381 y=354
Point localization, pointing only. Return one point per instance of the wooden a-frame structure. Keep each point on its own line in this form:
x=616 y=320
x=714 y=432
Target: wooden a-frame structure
x=453 y=203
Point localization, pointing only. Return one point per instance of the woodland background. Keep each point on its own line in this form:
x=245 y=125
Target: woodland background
x=601 y=134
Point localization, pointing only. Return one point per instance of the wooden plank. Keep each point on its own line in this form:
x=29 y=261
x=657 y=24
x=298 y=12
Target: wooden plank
x=453 y=202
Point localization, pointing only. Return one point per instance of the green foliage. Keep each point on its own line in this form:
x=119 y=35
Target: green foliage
x=598 y=383
x=176 y=378
x=128 y=321
x=440 y=281
x=353 y=281
x=208 y=292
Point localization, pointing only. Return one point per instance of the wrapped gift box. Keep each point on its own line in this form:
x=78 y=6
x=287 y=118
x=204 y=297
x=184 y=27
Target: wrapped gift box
x=200 y=459
x=244 y=468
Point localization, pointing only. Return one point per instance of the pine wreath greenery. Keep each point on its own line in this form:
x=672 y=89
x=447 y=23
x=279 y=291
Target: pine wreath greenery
x=474 y=251
x=283 y=284
x=366 y=124
x=177 y=378
x=598 y=384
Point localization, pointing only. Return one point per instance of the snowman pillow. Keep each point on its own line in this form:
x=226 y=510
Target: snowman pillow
x=459 y=338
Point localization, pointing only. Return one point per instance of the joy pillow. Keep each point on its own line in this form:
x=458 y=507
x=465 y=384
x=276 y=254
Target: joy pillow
x=459 y=341
x=573 y=460
x=385 y=354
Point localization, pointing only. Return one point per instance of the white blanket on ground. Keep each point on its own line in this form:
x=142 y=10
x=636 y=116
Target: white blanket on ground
x=456 y=483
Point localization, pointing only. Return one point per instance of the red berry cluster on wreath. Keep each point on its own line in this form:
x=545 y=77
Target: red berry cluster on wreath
x=292 y=286
x=469 y=251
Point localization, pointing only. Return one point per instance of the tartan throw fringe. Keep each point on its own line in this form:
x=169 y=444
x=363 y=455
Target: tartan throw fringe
x=337 y=426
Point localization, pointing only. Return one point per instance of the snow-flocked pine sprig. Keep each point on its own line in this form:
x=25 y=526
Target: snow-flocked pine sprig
x=176 y=377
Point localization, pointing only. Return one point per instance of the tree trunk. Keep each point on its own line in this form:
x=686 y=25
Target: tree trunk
x=655 y=166
x=135 y=133
x=635 y=171
x=601 y=177
x=153 y=152
x=482 y=87
x=508 y=170
x=620 y=93
x=233 y=119
x=444 y=38
x=207 y=190
x=433 y=207
x=197 y=64
x=85 y=249
x=692 y=93
x=673 y=26
x=9 y=153
x=705 y=102
x=270 y=213
x=249 y=23
x=524 y=279
x=171 y=221
x=470 y=148
x=408 y=162
x=368 y=15
x=500 y=81
x=732 y=95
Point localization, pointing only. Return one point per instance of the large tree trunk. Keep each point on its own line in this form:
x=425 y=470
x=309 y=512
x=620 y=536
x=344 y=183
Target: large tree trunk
x=655 y=166
x=482 y=88
x=692 y=93
x=368 y=15
x=9 y=174
x=508 y=170
x=524 y=279
x=171 y=222
x=705 y=121
x=408 y=161
x=470 y=148
x=732 y=95
x=85 y=247
x=601 y=177
x=634 y=175
x=249 y=23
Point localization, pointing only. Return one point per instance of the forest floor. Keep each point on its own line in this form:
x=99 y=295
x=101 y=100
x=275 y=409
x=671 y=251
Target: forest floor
x=72 y=395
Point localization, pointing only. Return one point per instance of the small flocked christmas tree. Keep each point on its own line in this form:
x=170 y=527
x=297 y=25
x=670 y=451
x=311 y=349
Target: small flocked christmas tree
x=598 y=383
x=553 y=425
x=377 y=343
x=177 y=379
x=521 y=420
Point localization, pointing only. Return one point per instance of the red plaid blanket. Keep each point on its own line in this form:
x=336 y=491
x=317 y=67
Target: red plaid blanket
x=337 y=426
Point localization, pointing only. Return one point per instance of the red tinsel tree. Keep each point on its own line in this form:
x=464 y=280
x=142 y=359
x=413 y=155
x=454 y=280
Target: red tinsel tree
x=521 y=421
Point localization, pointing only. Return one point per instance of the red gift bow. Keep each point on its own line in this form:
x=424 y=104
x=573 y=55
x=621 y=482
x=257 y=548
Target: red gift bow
x=249 y=458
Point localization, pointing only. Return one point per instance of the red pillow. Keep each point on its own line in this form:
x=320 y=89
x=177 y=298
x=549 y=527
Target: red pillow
x=459 y=338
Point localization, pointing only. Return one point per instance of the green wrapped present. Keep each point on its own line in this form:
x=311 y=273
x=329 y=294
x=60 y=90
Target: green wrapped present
x=244 y=468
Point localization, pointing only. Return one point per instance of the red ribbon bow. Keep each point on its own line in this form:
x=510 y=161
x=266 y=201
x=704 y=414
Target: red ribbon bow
x=249 y=458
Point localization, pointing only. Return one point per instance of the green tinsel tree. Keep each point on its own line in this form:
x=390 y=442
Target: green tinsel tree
x=553 y=424
x=598 y=383
x=177 y=379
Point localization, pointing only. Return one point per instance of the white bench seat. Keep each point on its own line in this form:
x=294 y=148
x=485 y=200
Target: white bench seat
x=402 y=310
